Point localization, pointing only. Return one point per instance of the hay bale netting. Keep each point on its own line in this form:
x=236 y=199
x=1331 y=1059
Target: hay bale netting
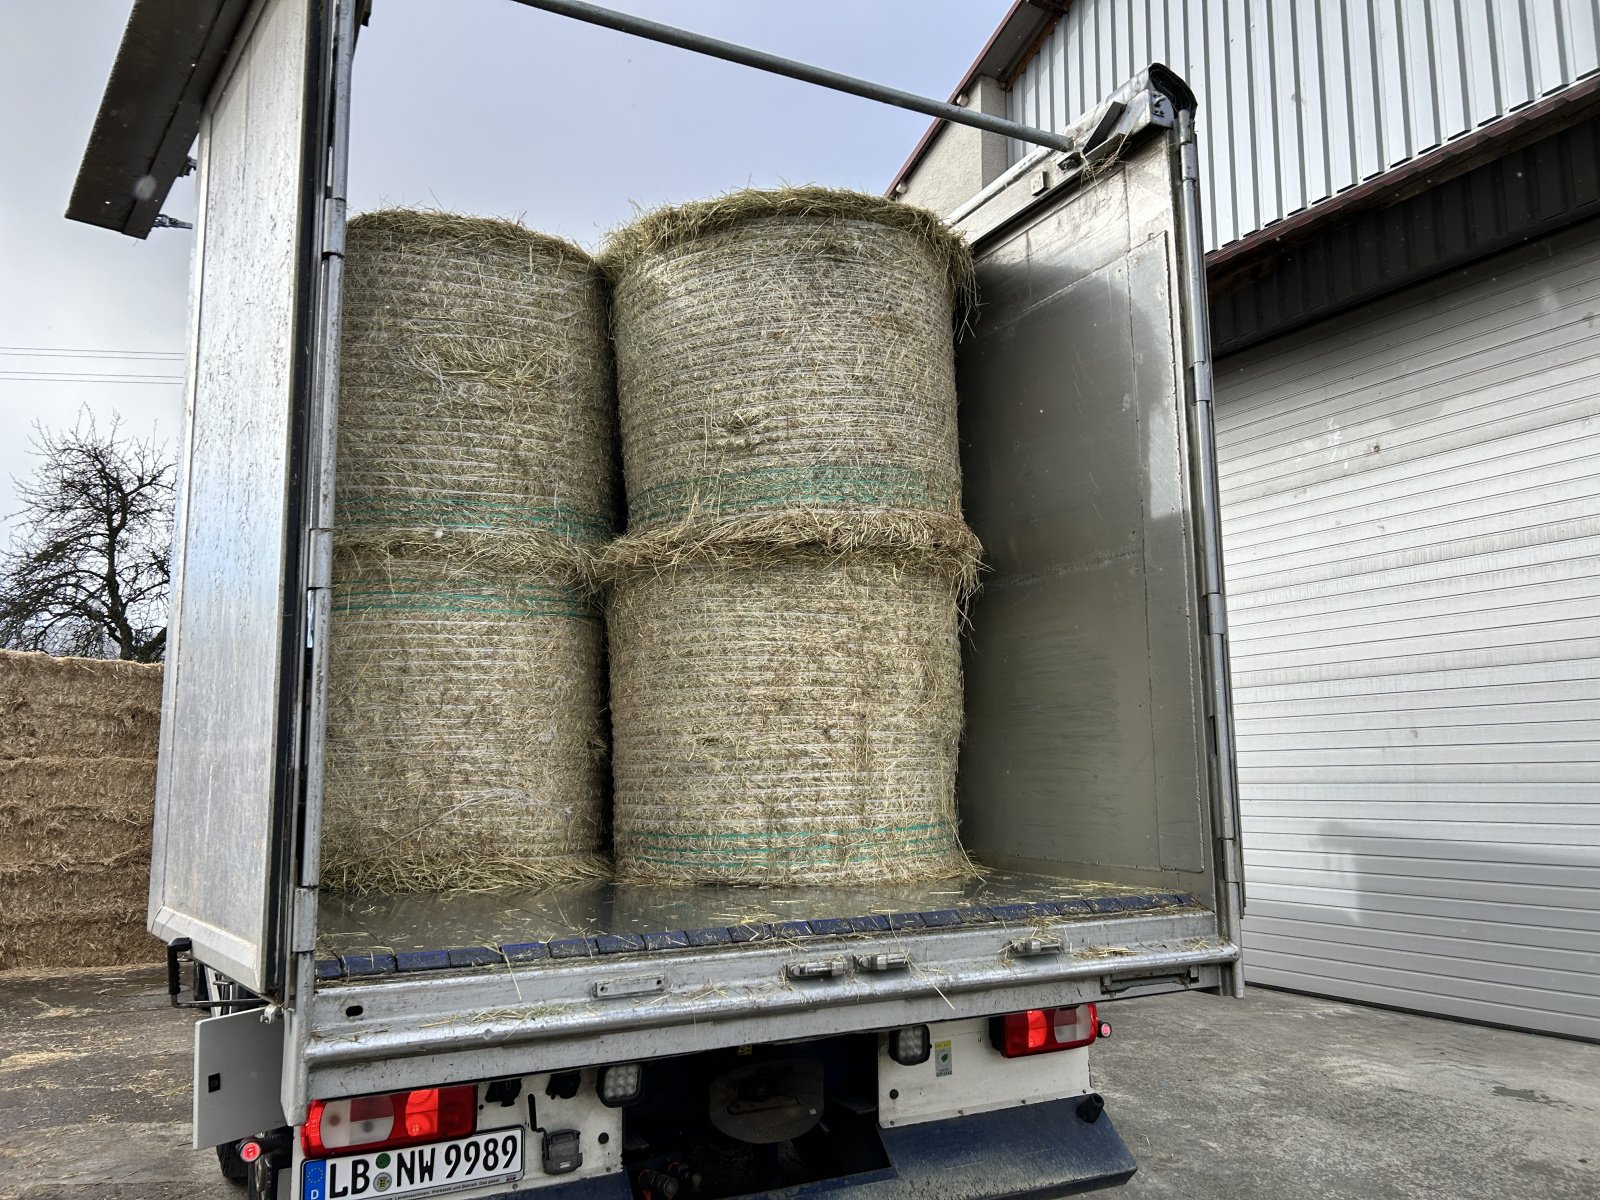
x=785 y=717
x=475 y=400
x=784 y=352
x=465 y=739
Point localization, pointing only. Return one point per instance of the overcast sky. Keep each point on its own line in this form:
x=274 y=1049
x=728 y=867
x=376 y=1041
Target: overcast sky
x=480 y=106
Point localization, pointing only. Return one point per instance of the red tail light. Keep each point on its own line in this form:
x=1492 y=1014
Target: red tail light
x=1041 y=1030
x=364 y=1123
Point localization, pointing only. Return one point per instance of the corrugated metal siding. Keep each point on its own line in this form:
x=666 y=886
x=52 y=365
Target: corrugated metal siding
x=1301 y=99
x=1411 y=510
x=1527 y=193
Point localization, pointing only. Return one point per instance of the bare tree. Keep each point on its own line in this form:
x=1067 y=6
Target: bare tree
x=88 y=569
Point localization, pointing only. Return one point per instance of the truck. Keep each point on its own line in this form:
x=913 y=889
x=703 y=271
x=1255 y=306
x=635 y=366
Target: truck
x=605 y=1041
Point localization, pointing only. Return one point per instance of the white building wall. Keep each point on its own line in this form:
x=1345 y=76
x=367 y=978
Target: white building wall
x=1302 y=99
x=1411 y=520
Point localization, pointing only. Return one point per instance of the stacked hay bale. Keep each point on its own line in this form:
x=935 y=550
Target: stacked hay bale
x=785 y=669
x=77 y=792
x=476 y=475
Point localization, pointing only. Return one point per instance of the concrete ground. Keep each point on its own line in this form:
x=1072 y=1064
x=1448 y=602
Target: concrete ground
x=1280 y=1096
x=1272 y=1098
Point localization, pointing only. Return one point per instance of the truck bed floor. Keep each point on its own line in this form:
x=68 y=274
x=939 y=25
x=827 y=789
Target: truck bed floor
x=415 y=930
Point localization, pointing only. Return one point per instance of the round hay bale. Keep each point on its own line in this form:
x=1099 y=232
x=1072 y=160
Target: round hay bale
x=475 y=401
x=465 y=742
x=787 y=352
x=793 y=722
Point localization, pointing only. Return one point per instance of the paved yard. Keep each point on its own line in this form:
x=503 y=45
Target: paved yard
x=1276 y=1097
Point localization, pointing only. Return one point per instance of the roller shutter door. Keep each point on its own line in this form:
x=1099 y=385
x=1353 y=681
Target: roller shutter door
x=1411 y=509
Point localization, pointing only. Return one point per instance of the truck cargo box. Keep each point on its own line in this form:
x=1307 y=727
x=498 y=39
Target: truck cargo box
x=1096 y=779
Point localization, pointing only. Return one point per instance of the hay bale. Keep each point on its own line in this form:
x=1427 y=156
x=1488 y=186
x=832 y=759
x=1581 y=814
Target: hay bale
x=77 y=791
x=465 y=741
x=475 y=404
x=785 y=717
x=57 y=811
x=77 y=707
x=787 y=352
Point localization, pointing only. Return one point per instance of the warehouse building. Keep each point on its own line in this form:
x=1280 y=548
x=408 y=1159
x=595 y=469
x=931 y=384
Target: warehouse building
x=1404 y=269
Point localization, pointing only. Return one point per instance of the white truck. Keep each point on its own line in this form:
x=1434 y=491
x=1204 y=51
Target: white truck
x=606 y=1041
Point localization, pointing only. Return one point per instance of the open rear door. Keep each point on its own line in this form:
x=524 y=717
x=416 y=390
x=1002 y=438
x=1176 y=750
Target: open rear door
x=1097 y=673
x=228 y=775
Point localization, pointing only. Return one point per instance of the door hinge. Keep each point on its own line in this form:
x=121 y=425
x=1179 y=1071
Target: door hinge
x=319 y=567
x=303 y=921
x=333 y=222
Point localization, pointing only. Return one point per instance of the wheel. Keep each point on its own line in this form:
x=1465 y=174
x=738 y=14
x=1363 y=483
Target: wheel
x=263 y=1181
x=234 y=1168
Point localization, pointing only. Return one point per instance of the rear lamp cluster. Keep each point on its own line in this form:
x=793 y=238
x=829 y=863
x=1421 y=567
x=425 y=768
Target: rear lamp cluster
x=1041 y=1030
x=364 y=1123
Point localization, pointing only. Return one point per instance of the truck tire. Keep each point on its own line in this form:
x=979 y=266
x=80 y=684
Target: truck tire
x=234 y=1168
x=262 y=1182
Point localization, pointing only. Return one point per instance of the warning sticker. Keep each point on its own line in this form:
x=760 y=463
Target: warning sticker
x=942 y=1064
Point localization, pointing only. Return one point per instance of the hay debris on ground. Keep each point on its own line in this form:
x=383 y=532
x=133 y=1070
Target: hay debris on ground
x=792 y=722
x=475 y=391
x=465 y=741
x=791 y=349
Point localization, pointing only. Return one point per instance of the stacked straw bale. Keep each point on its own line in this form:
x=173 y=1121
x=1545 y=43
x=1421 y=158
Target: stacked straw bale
x=785 y=608
x=77 y=791
x=476 y=477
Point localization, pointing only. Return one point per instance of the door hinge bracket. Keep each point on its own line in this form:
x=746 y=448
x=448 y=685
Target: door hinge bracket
x=303 y=921
x=320 y=565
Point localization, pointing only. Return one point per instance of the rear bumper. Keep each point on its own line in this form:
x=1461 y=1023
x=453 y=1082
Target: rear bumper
x=1035 y=1152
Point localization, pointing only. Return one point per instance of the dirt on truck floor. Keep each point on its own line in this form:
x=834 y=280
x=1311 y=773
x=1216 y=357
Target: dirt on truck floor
x=1274 y=1098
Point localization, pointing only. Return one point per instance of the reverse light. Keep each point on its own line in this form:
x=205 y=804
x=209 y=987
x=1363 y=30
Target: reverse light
x=910 y=1045
x=364 y=1123
x=1041 y=1030
x=621 y=1084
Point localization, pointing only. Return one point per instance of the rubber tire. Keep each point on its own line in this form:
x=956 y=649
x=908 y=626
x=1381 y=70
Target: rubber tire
x=262 y=1183
x=234 y=1168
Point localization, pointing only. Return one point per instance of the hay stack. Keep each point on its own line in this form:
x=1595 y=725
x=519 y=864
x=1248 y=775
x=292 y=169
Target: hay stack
x=77 y=790
x=785 y=668
x=476 y=475
x=784 y=353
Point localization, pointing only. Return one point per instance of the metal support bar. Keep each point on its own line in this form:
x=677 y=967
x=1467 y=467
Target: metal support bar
x=701 y=44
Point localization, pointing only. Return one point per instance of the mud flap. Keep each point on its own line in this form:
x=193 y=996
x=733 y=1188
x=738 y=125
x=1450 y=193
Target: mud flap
x=238 y=1070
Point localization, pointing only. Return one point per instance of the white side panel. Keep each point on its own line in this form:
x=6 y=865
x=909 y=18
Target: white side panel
x=965 y=1074
x=220 y=730
x=1301 y=99
x=1411 y=517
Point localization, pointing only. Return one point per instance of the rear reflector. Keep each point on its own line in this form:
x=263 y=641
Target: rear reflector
x=364 y=1123
x=1041 y=1030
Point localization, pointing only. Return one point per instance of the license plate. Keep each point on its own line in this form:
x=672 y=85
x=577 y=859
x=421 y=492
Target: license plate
x=493 y=1157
